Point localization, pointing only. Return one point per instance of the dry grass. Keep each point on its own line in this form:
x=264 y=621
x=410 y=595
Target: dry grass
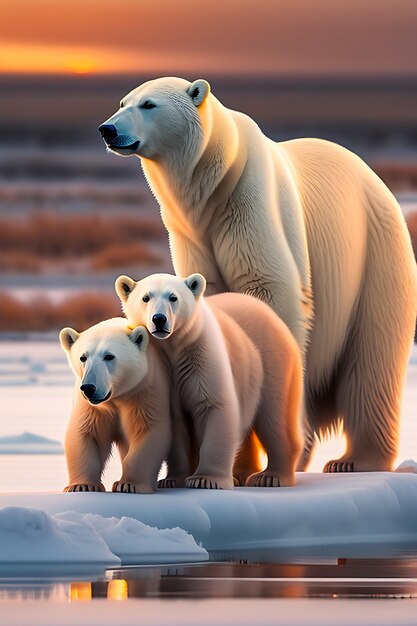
x=19 y=261
x=396 y=175
x=44 y=240
x=41 y=314
x=412 y=227
x=118 y=256
x=55 y=236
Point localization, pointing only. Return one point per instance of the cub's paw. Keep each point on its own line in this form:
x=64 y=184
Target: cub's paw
x=171 y=482
x=269 y=478
x=208 y=482
x=167 y=483
x=122 y=486
x=263 y=479
x=240 y=478
x=335 y=467
x=85 y=487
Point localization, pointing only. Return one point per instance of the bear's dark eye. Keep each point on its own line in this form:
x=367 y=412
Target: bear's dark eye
x=146 y=298
x=122 y=105
x=173 y=298
x=148 y=105
x=109 y=357
x=83 y=358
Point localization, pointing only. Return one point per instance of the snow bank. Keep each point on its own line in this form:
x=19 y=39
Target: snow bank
x=136 y=543
x=33 y=542
x=28 y=443
x=325 y=515
x=407 y=466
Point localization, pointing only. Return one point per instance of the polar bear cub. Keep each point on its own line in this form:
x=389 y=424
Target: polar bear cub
x=235 y=367
x=122 y=396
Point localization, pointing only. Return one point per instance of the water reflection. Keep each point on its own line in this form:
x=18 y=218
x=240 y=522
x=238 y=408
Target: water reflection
x=343 y=578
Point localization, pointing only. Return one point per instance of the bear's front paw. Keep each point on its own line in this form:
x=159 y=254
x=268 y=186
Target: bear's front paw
x=208 y=482
x=85 y=487
x=122 y=486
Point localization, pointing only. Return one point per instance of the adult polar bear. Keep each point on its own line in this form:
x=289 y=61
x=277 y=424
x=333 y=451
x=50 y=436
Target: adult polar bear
x=304 y=225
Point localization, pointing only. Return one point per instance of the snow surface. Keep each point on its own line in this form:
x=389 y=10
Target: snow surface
x=33 y=542
x=29 y=443
x=323 y=516
x=136 y=543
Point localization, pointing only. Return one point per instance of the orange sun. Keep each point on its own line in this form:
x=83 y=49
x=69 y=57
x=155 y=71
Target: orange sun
x=79 y=65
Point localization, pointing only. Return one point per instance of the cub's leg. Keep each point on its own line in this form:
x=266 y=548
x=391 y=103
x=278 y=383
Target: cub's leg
x=218 y=430
x=87 y=450
x=308 y=447
x=278 y=426
x=248 y=460
x=147 y=450
x=179 y=460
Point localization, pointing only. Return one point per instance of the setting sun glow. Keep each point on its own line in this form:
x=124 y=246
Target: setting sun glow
x=78 y=65
x=54 y=59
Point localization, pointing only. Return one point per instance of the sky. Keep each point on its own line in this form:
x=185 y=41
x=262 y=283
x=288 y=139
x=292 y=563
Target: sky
x=278 y=37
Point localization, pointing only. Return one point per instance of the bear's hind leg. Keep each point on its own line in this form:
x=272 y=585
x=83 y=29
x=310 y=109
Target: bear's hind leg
x=372 y=373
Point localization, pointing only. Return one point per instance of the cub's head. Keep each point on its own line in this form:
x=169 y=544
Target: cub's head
x=162 y=302
x=158 y=118
x=109 y=359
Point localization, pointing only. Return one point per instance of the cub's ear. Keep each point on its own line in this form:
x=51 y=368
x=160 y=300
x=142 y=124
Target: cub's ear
x=197 y=284
x=140 y=337
x=124 y=286
x=67 y=337
x=199 y=90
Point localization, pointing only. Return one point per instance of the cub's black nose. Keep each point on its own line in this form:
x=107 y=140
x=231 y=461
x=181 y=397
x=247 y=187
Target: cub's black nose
x=159 y=320
x=108 y=132
x=88 y=390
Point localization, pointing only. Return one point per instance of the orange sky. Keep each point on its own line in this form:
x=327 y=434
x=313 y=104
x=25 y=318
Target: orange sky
x=174 y=36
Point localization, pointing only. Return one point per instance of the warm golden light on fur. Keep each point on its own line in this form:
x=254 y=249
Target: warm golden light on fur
x=304 y=225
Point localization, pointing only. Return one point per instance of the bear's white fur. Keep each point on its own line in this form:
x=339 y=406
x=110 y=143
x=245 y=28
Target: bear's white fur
x=305 y=226
x=129 y=405
x=226 y=380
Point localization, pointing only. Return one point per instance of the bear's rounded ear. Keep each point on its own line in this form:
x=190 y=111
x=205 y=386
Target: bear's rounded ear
x=140 y=337
x=124 y=286
x=199 y=90
x=197 y=284
x=67 y=337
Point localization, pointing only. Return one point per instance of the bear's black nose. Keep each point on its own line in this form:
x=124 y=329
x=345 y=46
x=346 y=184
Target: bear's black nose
x=88 y=390
x=108 y=132
x=159 y=320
